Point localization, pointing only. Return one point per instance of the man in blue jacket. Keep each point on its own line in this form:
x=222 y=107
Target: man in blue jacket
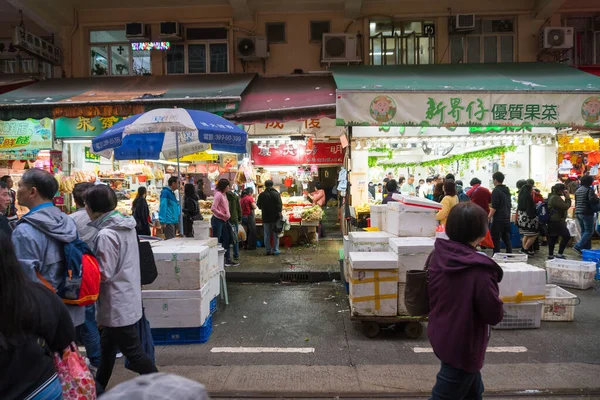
x=169 y=211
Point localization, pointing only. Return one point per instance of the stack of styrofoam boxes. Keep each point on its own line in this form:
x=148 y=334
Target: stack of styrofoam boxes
x=378 y=216
x=523 y=290
x=374 y=284
x=412 y=216
x=366 y=242
x=180 y=296
x=412 y=253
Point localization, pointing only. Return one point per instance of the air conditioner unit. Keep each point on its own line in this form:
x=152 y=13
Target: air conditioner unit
x=137 y=30
x=251 y=48
x=170 y=30
x=339 y=47
x=464 y=22
x=558 y=37
x=36 y=46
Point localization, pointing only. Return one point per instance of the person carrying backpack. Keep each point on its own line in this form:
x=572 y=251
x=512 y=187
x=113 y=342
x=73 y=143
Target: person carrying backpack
x=462 y=196
x=40 y=235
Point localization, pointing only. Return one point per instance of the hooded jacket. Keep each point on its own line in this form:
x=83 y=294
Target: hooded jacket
x=39 y=238
x=502 y=203
x=169 y=210
x=463 y=302
x=117 y=251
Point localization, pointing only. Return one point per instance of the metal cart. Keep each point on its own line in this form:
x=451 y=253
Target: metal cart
x=372 y=325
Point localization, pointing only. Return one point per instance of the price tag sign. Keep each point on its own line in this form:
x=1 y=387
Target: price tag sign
x=91 y=157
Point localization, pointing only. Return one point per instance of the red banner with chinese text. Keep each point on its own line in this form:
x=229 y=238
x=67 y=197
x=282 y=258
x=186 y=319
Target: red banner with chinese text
x=288 y=154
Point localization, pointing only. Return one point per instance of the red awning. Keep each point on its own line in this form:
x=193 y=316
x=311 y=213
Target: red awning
x=285 y=98
x=591 y=69
x=10 y=82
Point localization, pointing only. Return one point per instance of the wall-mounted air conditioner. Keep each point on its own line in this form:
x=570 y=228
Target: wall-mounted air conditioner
x=340 y=47
x=251 y=48
x=557 y=37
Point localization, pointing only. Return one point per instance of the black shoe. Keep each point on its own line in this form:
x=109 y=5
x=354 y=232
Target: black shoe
x=550 y=257
x=268 y=253
x=528 y=252
x=560 y=256
x=232 y=264
x=578 y=250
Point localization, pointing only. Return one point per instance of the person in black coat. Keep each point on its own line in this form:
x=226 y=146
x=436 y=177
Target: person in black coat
x=141 y=212
x=191 y=210
x=4 y=203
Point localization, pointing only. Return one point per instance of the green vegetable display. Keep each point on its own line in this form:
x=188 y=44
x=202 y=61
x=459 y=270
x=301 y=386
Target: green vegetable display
x=464 y=157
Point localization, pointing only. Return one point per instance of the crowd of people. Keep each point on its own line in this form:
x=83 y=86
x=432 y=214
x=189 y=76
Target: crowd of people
x=551 y=225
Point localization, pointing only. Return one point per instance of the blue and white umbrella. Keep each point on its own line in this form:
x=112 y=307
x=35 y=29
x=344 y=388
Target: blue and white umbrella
x=174 y=132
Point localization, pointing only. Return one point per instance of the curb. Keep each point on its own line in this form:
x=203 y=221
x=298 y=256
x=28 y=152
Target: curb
x=281 y=276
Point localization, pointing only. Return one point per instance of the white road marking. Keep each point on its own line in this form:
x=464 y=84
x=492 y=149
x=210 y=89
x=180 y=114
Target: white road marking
x=262 y=350
x=507 y=349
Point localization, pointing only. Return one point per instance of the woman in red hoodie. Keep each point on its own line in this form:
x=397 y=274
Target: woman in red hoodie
x=463 y=302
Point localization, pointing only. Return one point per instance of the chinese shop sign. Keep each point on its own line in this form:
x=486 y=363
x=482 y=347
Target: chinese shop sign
x=466 y=109
x=91 y=157
x=288 y=154
x=22 y=140
x=84 y=127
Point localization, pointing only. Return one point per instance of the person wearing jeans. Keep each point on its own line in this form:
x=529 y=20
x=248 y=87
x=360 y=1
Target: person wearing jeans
x=499 y=214
x=90 y=337
x=586 y=204
x=557 y=225
x=235 y=211
x=120 y=299
x=269 y=202
x=222 y=230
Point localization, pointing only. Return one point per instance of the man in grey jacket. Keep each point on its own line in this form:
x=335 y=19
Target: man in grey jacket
x=40 y=235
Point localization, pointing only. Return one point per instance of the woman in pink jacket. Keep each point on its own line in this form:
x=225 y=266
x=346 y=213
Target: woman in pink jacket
x=220 y=220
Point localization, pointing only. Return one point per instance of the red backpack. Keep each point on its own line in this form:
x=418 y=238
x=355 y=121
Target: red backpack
x=81 y=282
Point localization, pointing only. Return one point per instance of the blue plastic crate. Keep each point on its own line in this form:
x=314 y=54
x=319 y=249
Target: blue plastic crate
x=593 y=256
x=174 y=336
x=347 y=285
x=213 y=306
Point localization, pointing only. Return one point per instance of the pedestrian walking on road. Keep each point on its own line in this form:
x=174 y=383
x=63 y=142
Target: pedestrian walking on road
x=35 y=324
x=499 y=215
x=220 y=220
x=449 y=201
x=248 y=205
x=191 y=210
x=480 y=195
x=141 y=212
x=4 y=204
x=41 y=234
x=586 y=203
x=88 y=331
x=527 y=219
x=170 y=210
x=120 y=299
x=463 y=302
x=269 y=202
x=557 y=226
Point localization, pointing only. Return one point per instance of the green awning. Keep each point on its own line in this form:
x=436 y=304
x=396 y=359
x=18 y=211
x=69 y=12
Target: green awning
x=123 y=96
x=516 y=94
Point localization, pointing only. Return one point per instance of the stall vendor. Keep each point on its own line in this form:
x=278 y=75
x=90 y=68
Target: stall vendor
x=318 y=196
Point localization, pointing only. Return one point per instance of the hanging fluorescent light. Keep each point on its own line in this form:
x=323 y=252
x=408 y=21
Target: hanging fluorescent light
x=539 y=141
x=529 y=141
x=368 y=145
x=548 y=141
x=358 y=146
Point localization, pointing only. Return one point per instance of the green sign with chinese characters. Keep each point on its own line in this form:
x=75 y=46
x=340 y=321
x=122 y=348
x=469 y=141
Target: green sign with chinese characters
x=522 y=110
x=91 y=157
x=83 y=127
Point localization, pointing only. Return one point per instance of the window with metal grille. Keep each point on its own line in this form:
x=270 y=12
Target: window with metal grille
x=491 y=41
x=394 y=42
x=587 y=40
x=275 y=32
x=317 y=29
x=205 y=51
x=111 y=55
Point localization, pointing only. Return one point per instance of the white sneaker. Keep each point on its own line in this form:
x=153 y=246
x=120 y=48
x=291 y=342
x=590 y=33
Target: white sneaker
x=119 y=355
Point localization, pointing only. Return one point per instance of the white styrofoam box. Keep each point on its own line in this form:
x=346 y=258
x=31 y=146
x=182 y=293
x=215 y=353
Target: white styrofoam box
x=347 y=273
x=201 y=229
x=221 y=256
x=412 y=253
x=373 y=284
x=401 y=304
x=214 y=282
x=177 y=308
x=346 y=246
x=522 y=278
x=182 y=267
x=213 y=252
x=569 y=273
x=559 y=304
x=407 y=220
x=521 y=316
x=416 y=201
x=369 y=241
x=378 y=216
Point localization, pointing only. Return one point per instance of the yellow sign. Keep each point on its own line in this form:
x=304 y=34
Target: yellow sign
x=202 y=156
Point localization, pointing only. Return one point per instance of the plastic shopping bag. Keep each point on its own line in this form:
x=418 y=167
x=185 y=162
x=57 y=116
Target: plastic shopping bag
x=75 y=378
x=487 y=241
x=241 y=233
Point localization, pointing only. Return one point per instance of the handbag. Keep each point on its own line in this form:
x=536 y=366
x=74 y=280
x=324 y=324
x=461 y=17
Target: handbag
x=75 y=378
x=416 y=297
x=148 y=271
x=145 y=335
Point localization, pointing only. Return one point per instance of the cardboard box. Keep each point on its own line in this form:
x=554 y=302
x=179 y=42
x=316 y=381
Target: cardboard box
x=177 y=308
x=373 y=284
x=412 y=253
x=183 y=267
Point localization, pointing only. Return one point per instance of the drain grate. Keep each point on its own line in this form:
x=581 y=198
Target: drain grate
x=294 y=276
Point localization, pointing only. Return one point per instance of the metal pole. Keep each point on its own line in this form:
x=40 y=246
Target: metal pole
x=179 y=185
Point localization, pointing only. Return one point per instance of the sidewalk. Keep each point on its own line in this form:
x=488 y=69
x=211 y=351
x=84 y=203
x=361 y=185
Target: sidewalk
x=363 y=381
